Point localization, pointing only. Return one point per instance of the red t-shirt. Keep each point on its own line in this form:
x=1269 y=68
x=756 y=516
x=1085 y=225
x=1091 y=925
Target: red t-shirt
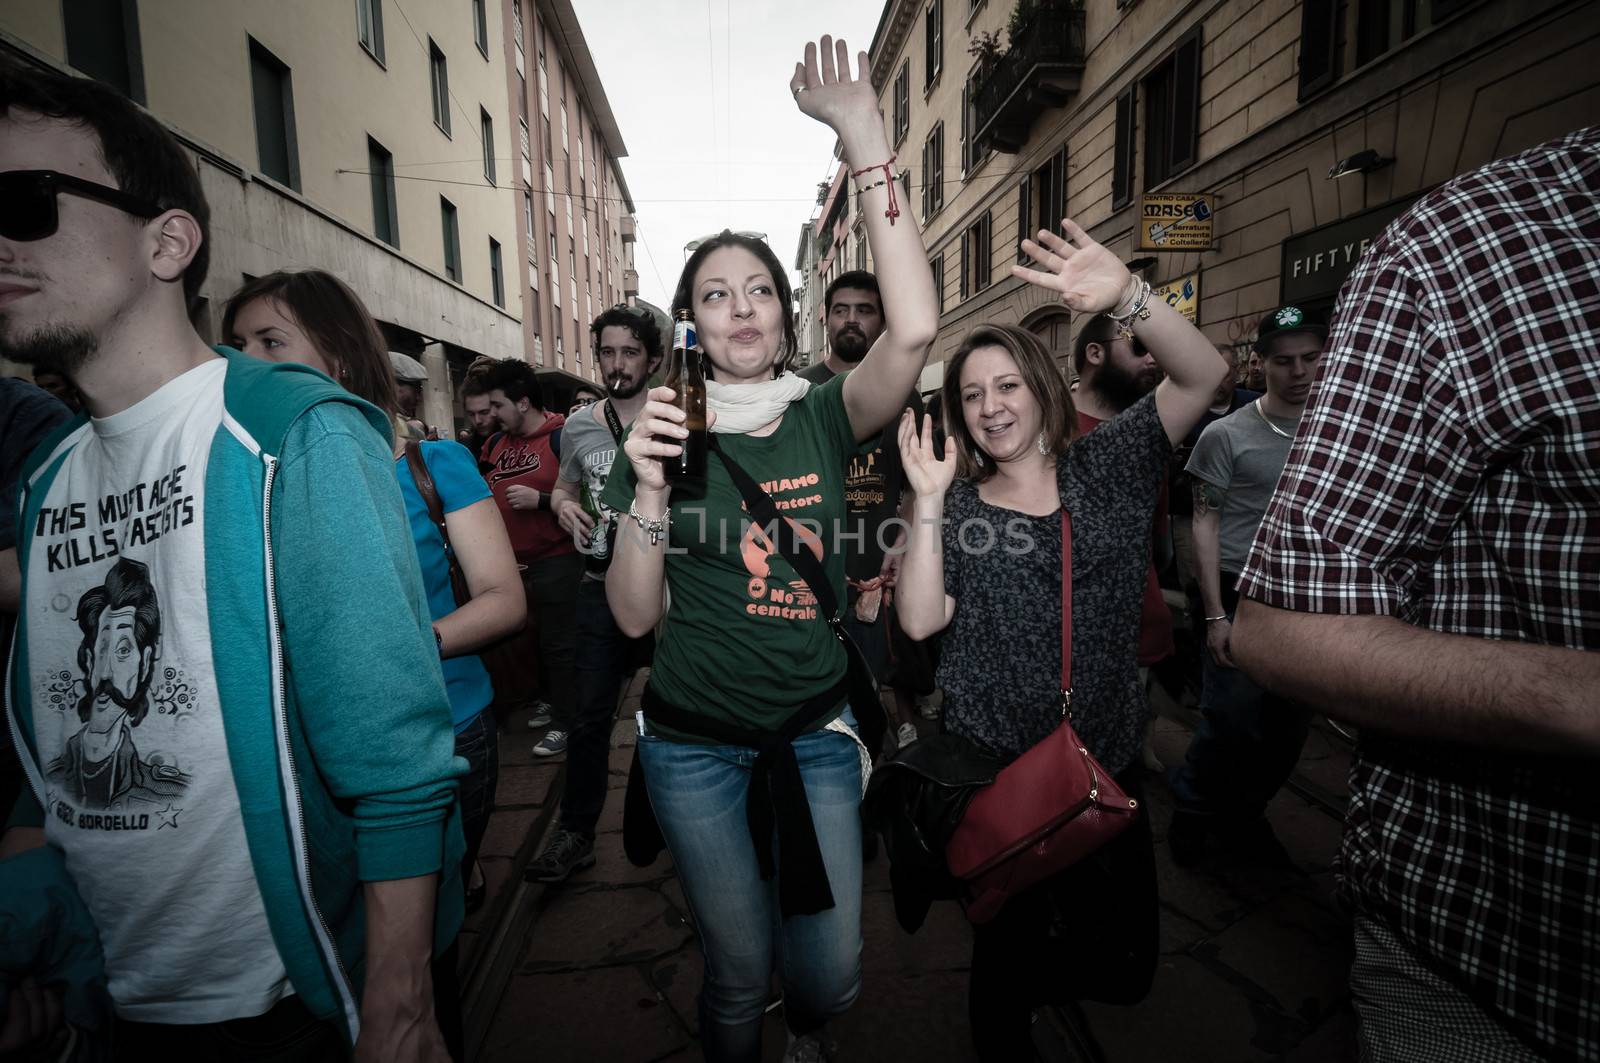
x=1155 y=621
x=530 y=461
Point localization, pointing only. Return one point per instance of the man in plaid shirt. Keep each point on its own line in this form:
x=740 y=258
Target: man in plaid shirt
x=1429 y=569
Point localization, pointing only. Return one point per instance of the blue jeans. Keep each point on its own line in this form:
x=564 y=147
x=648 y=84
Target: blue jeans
x=1248 y=742
x=699 y=794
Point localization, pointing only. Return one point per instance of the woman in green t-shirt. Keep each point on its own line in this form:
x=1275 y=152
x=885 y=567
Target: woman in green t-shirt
x=746 y=648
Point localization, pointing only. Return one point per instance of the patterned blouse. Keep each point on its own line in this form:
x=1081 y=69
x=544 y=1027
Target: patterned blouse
x=1001 y=659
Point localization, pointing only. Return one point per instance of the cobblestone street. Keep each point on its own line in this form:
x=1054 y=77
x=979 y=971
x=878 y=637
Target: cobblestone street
x=605 y=966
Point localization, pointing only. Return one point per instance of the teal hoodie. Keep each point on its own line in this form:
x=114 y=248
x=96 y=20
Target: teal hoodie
x=334 y=707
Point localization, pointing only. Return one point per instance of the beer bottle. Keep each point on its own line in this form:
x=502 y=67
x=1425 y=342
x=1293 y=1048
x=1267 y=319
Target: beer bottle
x=687 y=379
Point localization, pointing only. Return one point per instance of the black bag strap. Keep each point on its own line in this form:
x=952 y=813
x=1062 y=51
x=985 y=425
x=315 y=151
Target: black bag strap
x=785 y=537
x=613 y=422
x=864 y=685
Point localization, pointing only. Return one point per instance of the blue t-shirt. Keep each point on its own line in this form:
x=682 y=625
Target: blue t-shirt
x=455 y=477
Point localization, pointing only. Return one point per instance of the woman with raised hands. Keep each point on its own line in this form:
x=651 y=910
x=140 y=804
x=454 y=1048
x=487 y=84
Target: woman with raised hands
x=749 y=681
x=985 y=542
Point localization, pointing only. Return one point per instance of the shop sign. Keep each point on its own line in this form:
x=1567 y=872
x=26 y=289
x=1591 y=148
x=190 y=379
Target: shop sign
x=1315 y=263
x=1177 y=222
x=1182 y=294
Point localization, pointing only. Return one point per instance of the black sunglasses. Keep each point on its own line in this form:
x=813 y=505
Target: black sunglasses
x=28 y=201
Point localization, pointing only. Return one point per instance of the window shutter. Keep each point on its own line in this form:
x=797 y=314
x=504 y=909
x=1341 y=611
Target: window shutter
x=1122 y=163
x=966 y=240
x=1024 y=216
x=1319 y=42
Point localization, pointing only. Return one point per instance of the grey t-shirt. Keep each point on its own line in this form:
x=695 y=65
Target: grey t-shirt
x=1241 y=455
x=1001 y=658
x=587 y=450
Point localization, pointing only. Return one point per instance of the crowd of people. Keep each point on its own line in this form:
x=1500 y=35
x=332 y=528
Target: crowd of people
x=268 y=621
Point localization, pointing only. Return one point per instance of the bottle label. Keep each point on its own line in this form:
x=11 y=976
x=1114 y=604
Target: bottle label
x=683 y=336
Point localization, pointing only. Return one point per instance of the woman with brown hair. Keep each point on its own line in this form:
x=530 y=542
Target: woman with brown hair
x=313 y=318
x=993 y=575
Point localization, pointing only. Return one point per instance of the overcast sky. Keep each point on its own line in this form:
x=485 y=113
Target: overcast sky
x=700 y=92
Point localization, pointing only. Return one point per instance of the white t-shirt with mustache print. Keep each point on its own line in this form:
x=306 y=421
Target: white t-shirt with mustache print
x=139 y=792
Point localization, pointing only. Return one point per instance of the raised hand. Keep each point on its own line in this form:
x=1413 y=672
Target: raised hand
x=830 y=94
x=1088 y=278
x=928 y=474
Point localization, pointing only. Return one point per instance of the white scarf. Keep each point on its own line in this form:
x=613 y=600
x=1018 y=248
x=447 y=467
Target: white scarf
x=742 y=408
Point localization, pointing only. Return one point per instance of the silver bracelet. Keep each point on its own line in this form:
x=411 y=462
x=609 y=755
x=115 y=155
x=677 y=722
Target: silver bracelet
x=1140 y=307
x=1212 y=619
x=655 y=527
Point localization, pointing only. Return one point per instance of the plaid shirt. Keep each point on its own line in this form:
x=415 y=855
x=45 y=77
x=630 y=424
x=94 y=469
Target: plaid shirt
x=1447 y=473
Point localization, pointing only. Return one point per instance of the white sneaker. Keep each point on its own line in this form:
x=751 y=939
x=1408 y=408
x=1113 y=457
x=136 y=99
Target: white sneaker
x=905 y=734
x=553 y=744
x=541 y=716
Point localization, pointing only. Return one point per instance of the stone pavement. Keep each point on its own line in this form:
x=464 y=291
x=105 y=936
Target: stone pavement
x=605 y=967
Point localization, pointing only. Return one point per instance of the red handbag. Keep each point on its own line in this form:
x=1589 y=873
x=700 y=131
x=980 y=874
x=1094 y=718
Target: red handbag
x=1047 y=809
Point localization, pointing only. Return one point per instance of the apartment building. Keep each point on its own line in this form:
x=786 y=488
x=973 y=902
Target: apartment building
x=1236 y=153
x=388 y=145
x=576 y=224
x=329 y=134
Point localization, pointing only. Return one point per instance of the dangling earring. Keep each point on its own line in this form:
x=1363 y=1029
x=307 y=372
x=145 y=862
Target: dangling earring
x=1043 y=450
x=977 y=457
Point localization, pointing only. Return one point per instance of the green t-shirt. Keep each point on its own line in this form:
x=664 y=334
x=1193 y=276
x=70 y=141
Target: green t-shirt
x=743 y=642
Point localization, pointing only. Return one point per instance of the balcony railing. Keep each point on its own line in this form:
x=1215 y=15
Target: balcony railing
x=630 y=231
x=1042 y=69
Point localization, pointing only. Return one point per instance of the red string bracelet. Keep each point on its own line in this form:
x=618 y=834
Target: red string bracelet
x=894 y=208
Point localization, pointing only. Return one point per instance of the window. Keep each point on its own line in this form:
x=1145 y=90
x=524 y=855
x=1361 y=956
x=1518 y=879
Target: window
x=1172 y=112
x=548 y=152
x=861 y=252
x=527 y=219
x=497 y=280
x=369 y=27
x=385 y=219
x=936 y=264
x=1122 y=157
x=934 y=27
x=480 y=27
x=527 y=145
x=1319 y=45
x=452 y=239
x=902 y=102
x=440 y=78
x=274 y=105
x=1042 y=201
x=516 y=32
x=933 y=172
x=103 y=42
x=975 y=256
x=486 y=131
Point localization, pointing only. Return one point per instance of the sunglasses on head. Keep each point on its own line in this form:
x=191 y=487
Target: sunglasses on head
x=28 y=201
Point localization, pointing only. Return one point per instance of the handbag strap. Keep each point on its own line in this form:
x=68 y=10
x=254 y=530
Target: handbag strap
x=425 y=487
x=430 y=497
x=1066 y=614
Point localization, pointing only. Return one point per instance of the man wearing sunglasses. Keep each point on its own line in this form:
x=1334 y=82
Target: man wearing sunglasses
x=255 y=499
